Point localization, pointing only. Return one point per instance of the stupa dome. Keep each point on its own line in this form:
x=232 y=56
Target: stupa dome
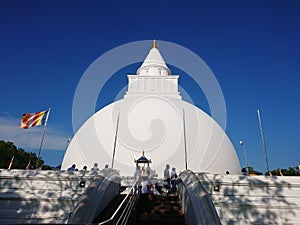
x=153 y=117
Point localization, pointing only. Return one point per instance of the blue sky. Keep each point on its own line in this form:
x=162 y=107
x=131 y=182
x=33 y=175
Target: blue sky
x=252 y=47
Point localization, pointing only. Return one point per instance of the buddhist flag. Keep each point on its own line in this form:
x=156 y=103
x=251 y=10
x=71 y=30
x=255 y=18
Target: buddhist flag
x=34 y=119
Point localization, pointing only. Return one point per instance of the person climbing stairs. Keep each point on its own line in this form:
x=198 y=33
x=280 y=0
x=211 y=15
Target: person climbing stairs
x=164 y=210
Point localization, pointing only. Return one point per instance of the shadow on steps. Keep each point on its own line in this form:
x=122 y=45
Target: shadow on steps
x=164 y=210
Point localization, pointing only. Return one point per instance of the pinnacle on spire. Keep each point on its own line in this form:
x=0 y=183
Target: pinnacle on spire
x=154 y=45
x=154 y=64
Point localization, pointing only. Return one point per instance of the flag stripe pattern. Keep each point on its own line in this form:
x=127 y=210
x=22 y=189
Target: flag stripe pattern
x=33 y=119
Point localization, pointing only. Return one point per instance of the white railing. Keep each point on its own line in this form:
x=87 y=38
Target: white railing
x=122 y=213
x=196 y=202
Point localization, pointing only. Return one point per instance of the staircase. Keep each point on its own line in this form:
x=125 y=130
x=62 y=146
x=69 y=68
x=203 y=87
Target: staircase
x=164 y=210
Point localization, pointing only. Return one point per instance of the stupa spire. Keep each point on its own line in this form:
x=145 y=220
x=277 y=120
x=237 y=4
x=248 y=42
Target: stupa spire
x=154 y=45
x=154 y=64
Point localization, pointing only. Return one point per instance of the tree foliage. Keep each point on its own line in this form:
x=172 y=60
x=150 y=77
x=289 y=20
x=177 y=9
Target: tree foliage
x=291 y=171
x=252 y=171
x=21 y=158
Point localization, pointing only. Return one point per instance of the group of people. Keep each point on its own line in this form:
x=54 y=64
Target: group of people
x=170 y=179
x=94 y=169
x=146 y=188
x=146 y=191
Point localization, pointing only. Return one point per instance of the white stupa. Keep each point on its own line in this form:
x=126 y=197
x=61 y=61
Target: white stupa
x=152 y=118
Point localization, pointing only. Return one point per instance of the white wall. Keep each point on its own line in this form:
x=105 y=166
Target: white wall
x=30 y=196
x=254 y=199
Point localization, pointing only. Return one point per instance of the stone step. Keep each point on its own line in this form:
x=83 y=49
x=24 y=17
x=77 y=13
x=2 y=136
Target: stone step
x=165 y=210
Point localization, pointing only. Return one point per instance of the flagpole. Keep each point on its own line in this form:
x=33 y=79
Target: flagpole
x=115 y=143
x=11 y=162
x=28 y=165
x=184 y=139
x=42 y=140
x=263 y=140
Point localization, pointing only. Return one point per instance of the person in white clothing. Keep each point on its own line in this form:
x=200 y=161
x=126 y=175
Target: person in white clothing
x=136 y=175
x=173 y=180
x=72 y=168
x=95 y=169
x=167 y=177
x=146 y=195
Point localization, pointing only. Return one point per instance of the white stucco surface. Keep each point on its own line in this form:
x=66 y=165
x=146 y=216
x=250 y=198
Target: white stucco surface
x=30 y=196
x=154 y=124
x=254 y=199
x=152 y=118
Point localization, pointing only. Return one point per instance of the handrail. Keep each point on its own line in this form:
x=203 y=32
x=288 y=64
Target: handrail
x=105 y=186
x=198 y=205
x=128 y=206
x=127 y=210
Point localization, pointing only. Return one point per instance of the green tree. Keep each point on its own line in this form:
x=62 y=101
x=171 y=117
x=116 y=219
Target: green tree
x=21 y=157
x=252 y=171
x=291 y=171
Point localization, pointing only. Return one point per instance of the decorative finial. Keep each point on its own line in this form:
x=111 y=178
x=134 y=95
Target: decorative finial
x=154 y=45
x=143 y=152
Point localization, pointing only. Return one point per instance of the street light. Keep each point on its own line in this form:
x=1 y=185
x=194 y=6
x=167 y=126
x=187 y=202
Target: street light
x=245 y=156
x=67 y=143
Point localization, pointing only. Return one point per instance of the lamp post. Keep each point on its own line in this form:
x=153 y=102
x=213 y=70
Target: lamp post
x=245 y=156
x=67 y=143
